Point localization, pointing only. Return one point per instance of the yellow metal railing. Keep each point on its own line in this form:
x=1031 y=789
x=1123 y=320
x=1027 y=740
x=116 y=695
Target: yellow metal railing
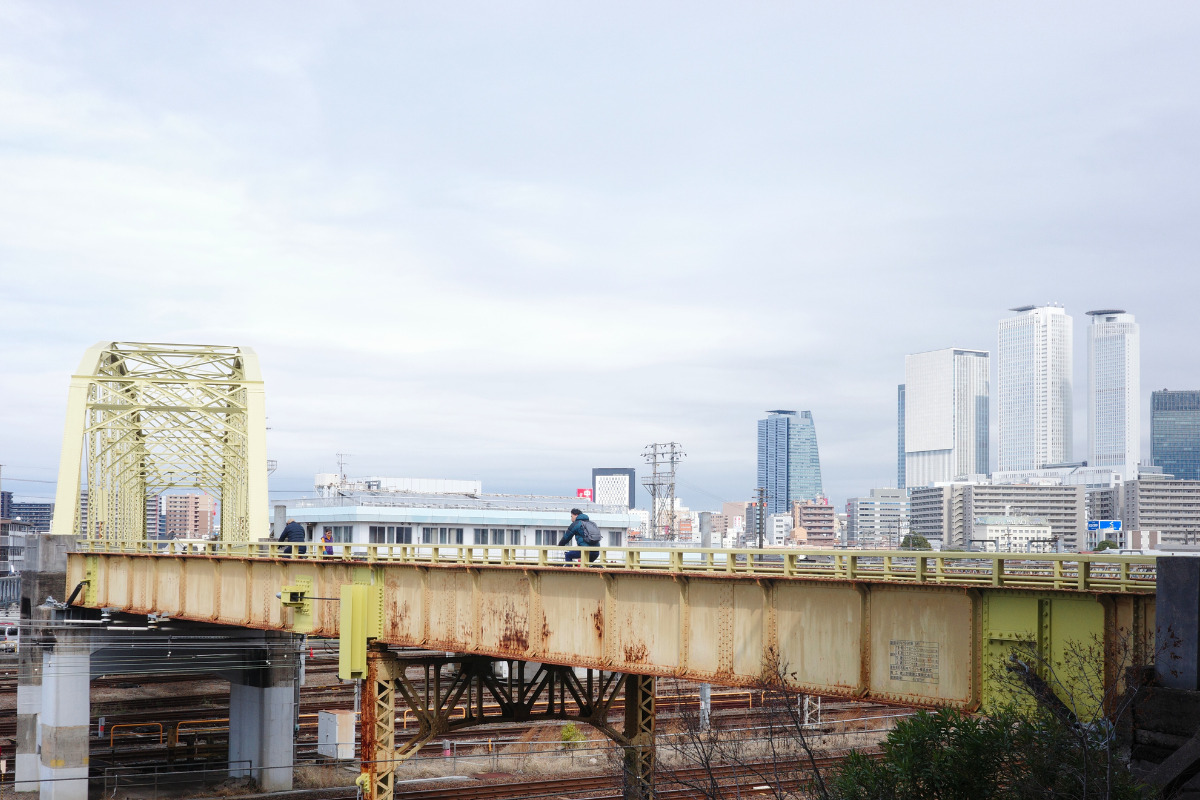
x=1061 y=571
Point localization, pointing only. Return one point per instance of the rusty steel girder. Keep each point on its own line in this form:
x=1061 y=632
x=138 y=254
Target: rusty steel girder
x=906 y=643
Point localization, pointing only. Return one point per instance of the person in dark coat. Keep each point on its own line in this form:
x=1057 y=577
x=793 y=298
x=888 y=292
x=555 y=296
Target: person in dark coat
x=292 y=532
x=578 y=532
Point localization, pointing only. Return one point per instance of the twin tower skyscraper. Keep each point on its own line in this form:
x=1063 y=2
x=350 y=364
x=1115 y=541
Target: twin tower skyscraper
x=944 y=403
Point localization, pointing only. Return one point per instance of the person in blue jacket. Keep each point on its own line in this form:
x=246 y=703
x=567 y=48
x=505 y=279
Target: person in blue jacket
x=579 y=531
x=292 y=532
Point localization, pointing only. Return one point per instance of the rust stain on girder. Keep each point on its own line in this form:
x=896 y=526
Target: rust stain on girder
x=513 y=637
x=636 y=653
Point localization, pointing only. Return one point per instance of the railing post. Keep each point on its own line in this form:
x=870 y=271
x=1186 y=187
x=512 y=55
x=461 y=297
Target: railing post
x=1085 y=573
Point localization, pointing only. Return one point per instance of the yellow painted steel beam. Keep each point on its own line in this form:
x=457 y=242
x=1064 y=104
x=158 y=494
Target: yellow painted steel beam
x=850 y=628
x=143 y=417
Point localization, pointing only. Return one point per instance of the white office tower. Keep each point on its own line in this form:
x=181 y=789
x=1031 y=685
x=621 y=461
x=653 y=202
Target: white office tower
x=945 y=415
x=1034 y=388
x=1114 y=389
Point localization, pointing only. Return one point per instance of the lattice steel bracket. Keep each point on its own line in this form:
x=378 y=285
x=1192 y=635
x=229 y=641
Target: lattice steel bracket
x=145 y=417
x=468 y=685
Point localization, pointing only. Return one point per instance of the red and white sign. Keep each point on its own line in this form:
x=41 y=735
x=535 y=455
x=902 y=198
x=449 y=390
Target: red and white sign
x=586 y=494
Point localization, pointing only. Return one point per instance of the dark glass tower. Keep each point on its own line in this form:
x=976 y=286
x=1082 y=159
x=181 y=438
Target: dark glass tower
x=1175 y=433
x=789 y=464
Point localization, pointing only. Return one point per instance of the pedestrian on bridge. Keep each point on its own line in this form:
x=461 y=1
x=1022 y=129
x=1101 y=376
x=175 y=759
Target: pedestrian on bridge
x=586 y=534
x=292 y=532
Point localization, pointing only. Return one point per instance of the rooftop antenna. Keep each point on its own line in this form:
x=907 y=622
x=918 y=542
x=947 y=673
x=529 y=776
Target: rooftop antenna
x=341 y=457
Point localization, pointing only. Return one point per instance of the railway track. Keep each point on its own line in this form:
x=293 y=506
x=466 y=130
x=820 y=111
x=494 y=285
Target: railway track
x=747 y=778
x=129 y=748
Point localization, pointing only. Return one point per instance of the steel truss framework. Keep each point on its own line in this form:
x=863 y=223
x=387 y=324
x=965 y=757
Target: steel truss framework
x=144 y=417
x=547 y=692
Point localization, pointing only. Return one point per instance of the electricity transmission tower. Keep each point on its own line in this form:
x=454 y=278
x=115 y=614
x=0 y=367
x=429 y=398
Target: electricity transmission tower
x=662 y=459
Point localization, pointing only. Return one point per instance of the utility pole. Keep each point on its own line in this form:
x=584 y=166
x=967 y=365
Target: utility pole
x=762 y=514
x=662 y=459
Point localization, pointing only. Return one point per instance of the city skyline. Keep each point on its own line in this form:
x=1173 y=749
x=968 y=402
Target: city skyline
x=465 y=246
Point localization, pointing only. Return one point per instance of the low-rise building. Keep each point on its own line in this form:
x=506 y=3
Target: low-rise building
x=779 y=530
x=947 y=512
x=1063 y=507
x=453 y=518
x=1170 y=506
x=814 y=524
x=189 y=515
x=1012 y=534
x=877 y=521
x=35 y=515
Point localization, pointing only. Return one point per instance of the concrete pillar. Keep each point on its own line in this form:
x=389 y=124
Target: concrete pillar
x=279 y=522
x=705 y=706
x=706 y=529
x=262 y=713
x=29 y=704
x=63 y=722
x=44 y=575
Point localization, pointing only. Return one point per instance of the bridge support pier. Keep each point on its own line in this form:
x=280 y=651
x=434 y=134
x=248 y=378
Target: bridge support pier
x=446 y=693
x=262 y=716
x=64 y=718
x=29 y=705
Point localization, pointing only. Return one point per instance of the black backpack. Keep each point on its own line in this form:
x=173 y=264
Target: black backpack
x=591 y=532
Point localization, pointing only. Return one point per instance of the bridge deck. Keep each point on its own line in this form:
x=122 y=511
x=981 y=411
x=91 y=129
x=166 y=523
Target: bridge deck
x=899 y=627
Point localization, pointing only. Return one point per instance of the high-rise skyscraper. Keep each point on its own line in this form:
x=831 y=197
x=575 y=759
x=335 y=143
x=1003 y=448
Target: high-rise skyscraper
x=1034 y=388
x=1114 y=392
x=901 y=480
x=1175 y=433
x=789 y=465
x=945 y=420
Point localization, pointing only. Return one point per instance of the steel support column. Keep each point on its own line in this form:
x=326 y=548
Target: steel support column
x=446 y=693
x=639 y=737
x=377 y=743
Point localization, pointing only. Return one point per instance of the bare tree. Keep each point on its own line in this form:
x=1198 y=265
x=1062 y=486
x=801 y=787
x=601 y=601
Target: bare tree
x=773 y=758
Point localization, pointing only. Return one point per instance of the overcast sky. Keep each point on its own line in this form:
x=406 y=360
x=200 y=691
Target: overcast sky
x=514 y=241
